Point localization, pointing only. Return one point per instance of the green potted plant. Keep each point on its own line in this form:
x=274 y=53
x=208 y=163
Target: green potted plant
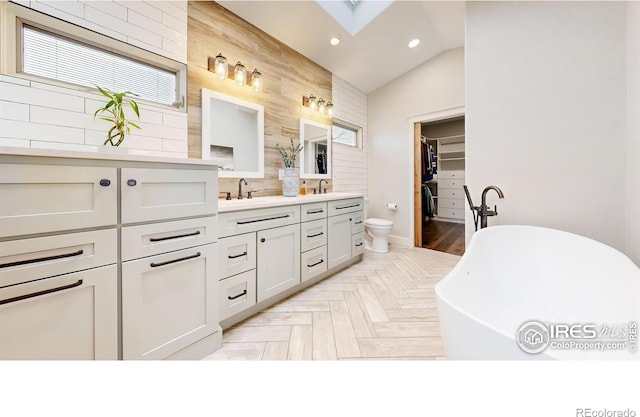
x=121 y=126
x=290 y=178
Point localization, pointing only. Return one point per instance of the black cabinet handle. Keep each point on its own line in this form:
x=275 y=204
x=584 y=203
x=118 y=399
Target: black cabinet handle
x=263 y=220
x=43 y=259
x=131 y=183
x=360 y=222
x=173 y=261
x=237 y=296
x=160 y=239
x=346 y=207
x=237 y=256
x=317 y=263
x=39 y=293
x=316 y=235
x=105 y=182
x=359 y=244
x=315 y=211
x=263 y=240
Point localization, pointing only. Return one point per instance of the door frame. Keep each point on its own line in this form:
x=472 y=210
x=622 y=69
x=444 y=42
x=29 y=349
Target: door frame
x=416 y=122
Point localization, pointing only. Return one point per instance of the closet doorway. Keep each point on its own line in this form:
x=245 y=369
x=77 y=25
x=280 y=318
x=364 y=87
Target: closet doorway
x=439 y=197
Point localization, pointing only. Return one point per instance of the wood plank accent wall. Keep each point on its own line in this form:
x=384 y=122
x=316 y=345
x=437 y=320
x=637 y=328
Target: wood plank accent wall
x=287 y=76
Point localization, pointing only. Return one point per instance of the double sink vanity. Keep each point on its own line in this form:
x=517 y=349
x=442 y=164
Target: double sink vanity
x=134 y=257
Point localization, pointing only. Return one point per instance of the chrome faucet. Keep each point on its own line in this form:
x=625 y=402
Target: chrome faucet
x=484 y=211
x=320 y=186
x=240 y=187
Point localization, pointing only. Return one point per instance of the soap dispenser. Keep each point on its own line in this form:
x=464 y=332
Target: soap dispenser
x=303 y=188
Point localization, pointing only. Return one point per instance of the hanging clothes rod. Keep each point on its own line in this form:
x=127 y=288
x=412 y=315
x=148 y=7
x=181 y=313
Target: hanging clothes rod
x=444 y=137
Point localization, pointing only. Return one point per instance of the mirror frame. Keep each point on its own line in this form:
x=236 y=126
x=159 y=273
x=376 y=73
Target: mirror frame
x=304 y=122
x=207 y=127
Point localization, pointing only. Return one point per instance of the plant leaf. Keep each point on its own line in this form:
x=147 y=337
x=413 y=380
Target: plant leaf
x=135 y=125
x=134 y=106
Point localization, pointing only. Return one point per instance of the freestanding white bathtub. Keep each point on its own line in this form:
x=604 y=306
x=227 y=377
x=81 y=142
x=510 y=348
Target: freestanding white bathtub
x=572 y=290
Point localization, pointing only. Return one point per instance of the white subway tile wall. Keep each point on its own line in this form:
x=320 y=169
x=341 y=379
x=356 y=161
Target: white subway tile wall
x=349 y=163
x=39 y=115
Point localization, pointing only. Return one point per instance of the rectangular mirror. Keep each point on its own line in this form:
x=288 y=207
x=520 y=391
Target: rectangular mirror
x=233 y=135
x=315 y=160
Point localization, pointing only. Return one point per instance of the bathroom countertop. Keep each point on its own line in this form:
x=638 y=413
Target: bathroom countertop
x=118 y=154
x=278 y=200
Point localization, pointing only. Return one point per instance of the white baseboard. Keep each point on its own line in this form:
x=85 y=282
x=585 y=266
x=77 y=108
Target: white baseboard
x=400 y=241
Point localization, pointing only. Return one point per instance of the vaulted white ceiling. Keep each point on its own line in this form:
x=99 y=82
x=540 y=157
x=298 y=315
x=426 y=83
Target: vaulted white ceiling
x=377 y=53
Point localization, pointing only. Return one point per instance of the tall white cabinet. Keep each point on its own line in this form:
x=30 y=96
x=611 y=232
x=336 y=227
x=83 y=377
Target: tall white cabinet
x=104 y=258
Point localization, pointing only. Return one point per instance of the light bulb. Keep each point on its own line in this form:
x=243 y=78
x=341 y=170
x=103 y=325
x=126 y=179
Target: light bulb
x=256 y=80
x=313 y=104
x=239 y=74
x=322 y=106
x=330 y=109
x=221 y=67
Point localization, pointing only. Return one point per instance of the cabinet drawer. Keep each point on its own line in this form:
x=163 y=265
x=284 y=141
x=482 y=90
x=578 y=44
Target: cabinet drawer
x=239 y=222
x=357 y=244
x=345 y=206
x=313 y=234
x=313 y=211
x=451 y=213
x=451 y=193
x=153 y=239
x=357 y=223
x=313 y=263
x=459 y=175
x=41 y=198
x=237 y=293
x=452 y=203
x=236 y=254
x=70 y=317
x=31 y=259
x=169 y=301
x=161 y=194
x=450 y=183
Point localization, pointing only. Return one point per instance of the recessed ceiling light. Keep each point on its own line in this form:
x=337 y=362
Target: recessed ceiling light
x=335 y=40
x=414 y=43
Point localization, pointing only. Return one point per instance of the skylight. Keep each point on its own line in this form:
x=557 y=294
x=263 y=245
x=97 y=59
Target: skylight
x=354 y=15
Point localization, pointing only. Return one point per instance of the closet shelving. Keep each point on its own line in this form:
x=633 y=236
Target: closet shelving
x=450 y=177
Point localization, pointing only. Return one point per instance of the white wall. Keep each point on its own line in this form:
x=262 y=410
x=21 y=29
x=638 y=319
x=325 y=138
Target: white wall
x=545 y=114
x=349 y=170
x=38 y=115
x=435 y=85
x=633 y=132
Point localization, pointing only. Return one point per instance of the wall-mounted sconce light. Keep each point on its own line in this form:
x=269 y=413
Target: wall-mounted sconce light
x=238 y=73
x=319 y=105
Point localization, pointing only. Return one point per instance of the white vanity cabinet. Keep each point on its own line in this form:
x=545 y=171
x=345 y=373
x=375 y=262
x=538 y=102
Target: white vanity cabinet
x=107 y=257
x=268 y=253
x=313 y=235
x=345 y=230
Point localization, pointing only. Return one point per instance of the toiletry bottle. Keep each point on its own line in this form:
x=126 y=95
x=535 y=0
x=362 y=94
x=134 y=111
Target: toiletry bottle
x=303 y=188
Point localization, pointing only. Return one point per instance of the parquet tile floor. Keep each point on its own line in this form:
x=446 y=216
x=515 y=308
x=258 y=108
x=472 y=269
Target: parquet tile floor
x=383 y=307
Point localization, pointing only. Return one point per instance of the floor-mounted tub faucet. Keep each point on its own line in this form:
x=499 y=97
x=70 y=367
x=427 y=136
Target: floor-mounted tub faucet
x=483 y=211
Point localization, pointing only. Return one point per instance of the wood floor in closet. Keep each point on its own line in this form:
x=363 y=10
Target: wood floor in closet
x=443 y=236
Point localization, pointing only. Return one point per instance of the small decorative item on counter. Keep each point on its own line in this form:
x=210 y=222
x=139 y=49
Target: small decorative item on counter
x=303 y=189
x=290 y=178
x=115 y=108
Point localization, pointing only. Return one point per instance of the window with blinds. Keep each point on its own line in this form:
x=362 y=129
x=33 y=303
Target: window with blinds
x=55 y=57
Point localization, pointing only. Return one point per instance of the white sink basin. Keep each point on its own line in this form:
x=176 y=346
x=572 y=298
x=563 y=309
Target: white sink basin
x=278 y=200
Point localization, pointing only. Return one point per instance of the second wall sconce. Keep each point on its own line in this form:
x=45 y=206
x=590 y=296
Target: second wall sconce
x=237 y=73
x=318 y=105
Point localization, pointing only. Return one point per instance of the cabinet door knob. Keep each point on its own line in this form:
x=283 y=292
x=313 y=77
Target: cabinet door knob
x=263 y=240
x=131 y=183
x=105 y=182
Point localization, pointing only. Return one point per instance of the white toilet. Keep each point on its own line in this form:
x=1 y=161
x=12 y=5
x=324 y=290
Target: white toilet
x=378 y=230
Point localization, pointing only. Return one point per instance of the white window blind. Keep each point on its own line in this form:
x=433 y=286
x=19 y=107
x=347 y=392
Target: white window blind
x=52 y=56
x=345 y=135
